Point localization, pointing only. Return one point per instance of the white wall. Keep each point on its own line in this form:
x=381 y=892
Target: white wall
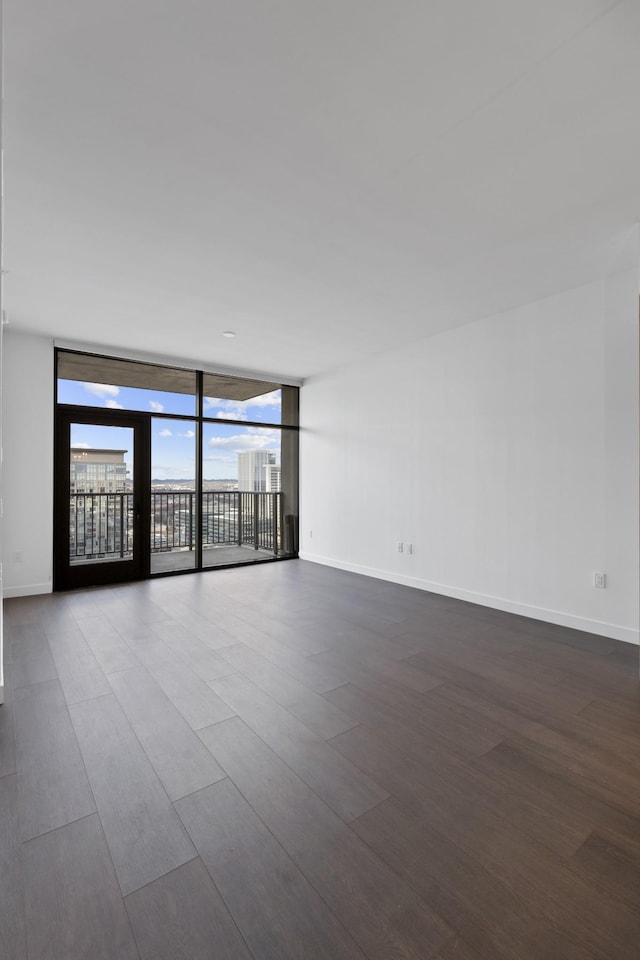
x=506 y=451
x=28 y=464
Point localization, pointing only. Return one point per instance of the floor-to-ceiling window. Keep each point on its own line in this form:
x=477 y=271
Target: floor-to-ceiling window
x=162 y=470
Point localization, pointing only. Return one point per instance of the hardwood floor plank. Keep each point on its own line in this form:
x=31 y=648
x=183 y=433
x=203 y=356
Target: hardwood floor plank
x=181 y=916
x=7 y=725
x=133 y=631
x=611 y=717
x=423 y=778
x=382 y=914
x=532 y=775
x=53 y=788
x=626 y=656
x=177 y=754
x=577 y=909
x=80 y=675
x=73 y=903
x=368 y=668
x=312 y=709
x=598 y=772
x=578 y=664
x=194 y=622
x=487 y=913
x=128 y=601
x=338 y=782
x=496 y=716
x=300 y=640
x=31 y=657
x=108 y=647
x=604 y=858
x=195 y=653
x=310 y=674
x=259 y=882
x=59 y=619
x=354 y=635
x=600 y=744
x=532 y=699
x=145 y=836
x=197 y=702
x=458 y=949
x=380 y=704
x=13 y=943
x=22 y=610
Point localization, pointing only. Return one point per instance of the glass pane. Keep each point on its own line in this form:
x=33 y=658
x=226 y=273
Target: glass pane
x=266 y=408
x=173 y=498
x=93 y=381
x=257 y=401
x=100 y=493
x=114 y=397
x=244 y=495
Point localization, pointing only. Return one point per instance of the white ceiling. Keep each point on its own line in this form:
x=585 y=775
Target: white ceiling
x=327 y=178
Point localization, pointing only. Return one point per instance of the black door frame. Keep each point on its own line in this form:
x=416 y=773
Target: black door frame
x=66 y=576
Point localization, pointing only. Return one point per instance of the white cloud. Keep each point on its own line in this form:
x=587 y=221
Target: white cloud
x=187 y=433
x=82 y=446
x=102 y=389
x=165 y=433
x=155 y=406
x=236 y=409
x=272 y=399
x=114 y=405
x=243 y=442
x=230 y=415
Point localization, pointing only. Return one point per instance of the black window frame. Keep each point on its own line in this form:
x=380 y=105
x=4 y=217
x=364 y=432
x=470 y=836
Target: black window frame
x=199 y=418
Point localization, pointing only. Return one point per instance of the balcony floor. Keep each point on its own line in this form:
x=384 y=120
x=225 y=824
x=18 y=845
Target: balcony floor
x=215 y=557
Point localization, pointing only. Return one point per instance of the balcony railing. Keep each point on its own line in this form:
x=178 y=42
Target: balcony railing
x=101 y=524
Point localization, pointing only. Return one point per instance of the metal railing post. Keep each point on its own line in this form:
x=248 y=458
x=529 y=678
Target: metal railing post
x=256 y=507
x=274 y=524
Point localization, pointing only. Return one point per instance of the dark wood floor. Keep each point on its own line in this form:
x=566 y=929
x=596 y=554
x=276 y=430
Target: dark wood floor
x=290 y=761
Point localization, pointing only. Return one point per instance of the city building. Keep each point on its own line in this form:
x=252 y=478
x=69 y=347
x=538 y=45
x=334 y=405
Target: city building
x=99 y=505
x=252 y=469
x=97 y=471
x=273 y=477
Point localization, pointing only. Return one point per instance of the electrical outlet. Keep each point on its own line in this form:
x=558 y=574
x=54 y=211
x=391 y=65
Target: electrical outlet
x=310 y=534
x=400 y=546
x=17 y=557
x=600 y=580
x=409 y=548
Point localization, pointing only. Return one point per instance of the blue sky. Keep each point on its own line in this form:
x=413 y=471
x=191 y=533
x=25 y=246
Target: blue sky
x=173 y=441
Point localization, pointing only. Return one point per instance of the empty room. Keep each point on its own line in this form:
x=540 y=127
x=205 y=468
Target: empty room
x=320 y=480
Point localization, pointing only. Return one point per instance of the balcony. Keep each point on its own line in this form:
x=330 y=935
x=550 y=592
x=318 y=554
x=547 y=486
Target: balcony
x=237 y=526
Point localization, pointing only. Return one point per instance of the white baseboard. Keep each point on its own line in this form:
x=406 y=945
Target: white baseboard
x=612 y=630
x=26 y=590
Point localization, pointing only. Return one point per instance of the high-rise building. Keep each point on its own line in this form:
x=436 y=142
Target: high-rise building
x=251 y=469
x=97 y=471
x=273 y=483
x=99 y=524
